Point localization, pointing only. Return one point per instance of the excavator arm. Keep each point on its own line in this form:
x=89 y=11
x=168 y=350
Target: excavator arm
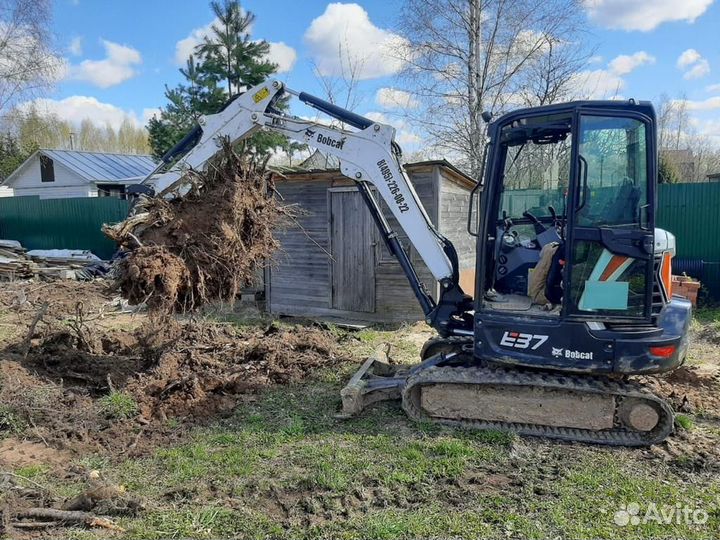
x=369 y=156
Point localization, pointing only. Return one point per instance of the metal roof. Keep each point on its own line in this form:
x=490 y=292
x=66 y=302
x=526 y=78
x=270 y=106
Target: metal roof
x=103 y=166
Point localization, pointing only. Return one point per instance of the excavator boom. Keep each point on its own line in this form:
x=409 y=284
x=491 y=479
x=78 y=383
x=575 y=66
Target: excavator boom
x=368 y=155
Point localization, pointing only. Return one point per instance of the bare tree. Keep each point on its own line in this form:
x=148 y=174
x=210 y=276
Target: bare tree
x=464 y=57
x=342 y=88
x=681 y=145
x=28 y=62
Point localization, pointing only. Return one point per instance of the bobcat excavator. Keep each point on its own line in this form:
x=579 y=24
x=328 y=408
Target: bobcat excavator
x=573 y=280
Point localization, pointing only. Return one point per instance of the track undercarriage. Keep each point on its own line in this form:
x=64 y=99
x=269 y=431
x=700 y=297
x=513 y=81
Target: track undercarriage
x=449 y=387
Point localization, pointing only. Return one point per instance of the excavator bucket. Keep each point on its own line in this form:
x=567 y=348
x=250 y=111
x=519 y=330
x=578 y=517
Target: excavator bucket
x=376 y=380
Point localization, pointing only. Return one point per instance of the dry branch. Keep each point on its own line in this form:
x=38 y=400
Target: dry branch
x=61 y=516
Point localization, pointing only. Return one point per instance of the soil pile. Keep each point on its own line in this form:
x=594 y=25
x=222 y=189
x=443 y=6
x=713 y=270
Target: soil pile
x=205 y=245
x=81 y=394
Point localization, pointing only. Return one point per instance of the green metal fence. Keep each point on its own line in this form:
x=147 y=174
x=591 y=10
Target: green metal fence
x=61 y=223
x=692 y=213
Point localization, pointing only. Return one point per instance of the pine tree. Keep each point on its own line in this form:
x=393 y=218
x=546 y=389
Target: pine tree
x=226 y=61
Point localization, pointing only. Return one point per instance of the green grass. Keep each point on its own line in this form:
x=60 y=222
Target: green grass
x=283 y=466
x=707 y=314
x=10 y=421
x=118 y=405
x=32 y=471
x=685 y=422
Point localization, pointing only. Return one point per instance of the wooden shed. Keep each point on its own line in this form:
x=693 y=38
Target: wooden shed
x=334 y=264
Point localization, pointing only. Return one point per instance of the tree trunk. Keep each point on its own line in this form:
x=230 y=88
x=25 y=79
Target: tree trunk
x=474 y=88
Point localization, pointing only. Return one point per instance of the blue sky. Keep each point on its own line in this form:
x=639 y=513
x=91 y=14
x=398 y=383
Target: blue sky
x=122 y=53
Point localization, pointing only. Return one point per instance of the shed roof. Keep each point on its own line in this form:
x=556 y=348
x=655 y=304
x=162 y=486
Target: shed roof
x=94 y=166
x=314 y=165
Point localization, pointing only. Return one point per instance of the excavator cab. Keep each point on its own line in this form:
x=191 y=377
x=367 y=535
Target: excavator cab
x=572 y=274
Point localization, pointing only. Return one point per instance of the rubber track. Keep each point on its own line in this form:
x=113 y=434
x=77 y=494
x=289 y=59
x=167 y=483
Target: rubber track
x=618 y=436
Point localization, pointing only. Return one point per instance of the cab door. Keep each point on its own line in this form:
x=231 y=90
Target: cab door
x=611 y=227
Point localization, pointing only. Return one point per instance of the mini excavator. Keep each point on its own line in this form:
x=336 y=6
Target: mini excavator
x=573 y=281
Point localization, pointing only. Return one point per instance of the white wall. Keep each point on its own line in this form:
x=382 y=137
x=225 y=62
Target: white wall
x=54 y=192
x=67 y=183
x=6 y=191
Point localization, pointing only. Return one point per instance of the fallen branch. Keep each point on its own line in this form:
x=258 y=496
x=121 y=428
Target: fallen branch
x=64 y=516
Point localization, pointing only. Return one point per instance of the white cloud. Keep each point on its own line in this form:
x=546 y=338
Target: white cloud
x=392 y=98
x=607 y=83
x=75 y=47
x=186 y=46
x=596 y=84
x=345 y=34
x=624 y=64
x=75 y=109
x=700 y=105
x=688 y=57
x=403 y=133
x=378 y=117
x=643 y=15
x=708 y=129
x=694 y=65
x=713 y=88
x=699 y=70
x=148 y=113
x=283 y=55
x=115 y=68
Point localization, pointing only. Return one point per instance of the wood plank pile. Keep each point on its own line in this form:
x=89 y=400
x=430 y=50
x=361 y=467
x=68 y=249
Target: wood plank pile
x=17 y=263
x=14 y=264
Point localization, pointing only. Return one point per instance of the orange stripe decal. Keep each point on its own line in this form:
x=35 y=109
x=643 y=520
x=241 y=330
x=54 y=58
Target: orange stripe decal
x=615 y=263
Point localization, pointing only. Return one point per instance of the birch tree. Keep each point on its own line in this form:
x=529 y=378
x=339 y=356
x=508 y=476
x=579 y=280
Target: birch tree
x=464 y=57
x=28 y=62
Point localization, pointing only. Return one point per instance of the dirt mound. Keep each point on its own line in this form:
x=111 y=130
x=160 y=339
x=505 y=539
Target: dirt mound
x=62 y=296
x=693 y=376
x=689 y=389
x=206 y=245
x=209 y=366
x=116 y=391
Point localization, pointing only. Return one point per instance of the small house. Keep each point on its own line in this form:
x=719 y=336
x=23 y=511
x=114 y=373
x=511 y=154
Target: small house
x=60 y=174
x=333 y=264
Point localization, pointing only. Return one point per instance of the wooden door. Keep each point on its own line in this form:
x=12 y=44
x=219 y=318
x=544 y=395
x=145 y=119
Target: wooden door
x=352 y=234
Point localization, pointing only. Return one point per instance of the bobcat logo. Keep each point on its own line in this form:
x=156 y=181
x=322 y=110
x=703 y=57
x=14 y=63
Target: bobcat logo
x=557 y=352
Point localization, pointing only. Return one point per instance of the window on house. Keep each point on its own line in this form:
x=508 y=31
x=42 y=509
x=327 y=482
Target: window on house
x=111 y=190
x=47 y=169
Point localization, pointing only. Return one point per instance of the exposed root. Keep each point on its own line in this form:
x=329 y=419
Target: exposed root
x=207 y=245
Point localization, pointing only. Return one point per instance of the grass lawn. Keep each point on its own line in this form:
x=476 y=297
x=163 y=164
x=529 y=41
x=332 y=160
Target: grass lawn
x=282 y=465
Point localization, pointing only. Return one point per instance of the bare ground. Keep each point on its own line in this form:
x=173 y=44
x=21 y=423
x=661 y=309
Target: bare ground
x=218 y=429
